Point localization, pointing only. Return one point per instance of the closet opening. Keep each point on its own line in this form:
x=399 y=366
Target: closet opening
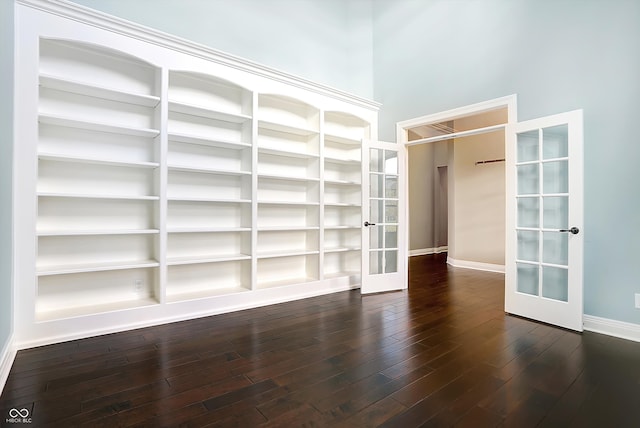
x=456 y=187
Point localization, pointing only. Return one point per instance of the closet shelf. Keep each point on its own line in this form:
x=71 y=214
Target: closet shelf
x=287 y=129
x=97 y=161
x=96 y=196
x=51 y=119
x=189 y=260
x=200 y=111
x=96 y=91
x=204 y=141
x=95 y=267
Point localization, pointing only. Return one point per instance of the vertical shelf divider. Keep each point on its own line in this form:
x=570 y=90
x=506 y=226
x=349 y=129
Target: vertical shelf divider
x=162 y=173
x=254 y=191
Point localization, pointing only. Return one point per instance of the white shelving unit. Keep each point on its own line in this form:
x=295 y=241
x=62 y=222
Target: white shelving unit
x=97 y=182
x=161 y=180
x=209 y=193
x=342 y=213
x=288 y=193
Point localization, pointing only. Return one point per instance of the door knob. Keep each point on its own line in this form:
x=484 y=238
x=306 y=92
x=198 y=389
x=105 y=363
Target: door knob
x=367 y=224
x=573 y=230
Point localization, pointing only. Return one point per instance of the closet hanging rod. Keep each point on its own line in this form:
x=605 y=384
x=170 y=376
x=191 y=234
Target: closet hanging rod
x=489 y=161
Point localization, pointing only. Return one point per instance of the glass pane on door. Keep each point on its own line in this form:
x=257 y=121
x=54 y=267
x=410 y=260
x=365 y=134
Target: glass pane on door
x=383 y=203
x=542 y=202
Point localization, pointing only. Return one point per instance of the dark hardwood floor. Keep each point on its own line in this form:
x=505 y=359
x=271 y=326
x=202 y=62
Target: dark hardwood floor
x=442 y=354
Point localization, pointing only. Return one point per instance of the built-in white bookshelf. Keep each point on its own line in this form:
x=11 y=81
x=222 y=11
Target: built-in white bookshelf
x=209 y=193
x=162 y=181
x=97 y=185
x=342 y=193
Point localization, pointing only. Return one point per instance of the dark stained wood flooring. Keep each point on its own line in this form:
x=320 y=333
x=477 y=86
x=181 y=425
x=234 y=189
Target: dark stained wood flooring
x=442 y=354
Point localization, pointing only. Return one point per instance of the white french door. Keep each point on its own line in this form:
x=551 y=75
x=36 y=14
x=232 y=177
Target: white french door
x=384 y=254
x=544 y=248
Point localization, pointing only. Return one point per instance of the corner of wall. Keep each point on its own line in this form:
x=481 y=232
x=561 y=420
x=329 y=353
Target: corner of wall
x=7 y=352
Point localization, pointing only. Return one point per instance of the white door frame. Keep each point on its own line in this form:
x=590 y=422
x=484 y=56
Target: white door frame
x=402 y=137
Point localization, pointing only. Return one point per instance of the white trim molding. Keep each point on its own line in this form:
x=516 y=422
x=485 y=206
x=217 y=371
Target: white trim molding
x=621 y=329
x=7 y=356
x=466 y=264
x=425 y=251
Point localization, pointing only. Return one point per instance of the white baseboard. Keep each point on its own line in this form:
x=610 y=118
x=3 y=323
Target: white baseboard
x=424 y=251
x=621 y=329
x=7 y=356
x=466 y=264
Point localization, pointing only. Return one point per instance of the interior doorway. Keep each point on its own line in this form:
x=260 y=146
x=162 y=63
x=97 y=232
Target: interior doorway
x=460 y=159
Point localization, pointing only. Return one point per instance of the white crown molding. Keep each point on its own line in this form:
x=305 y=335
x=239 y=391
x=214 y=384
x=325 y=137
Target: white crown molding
x=76 y=12
x=621 y=329
x=466 y=264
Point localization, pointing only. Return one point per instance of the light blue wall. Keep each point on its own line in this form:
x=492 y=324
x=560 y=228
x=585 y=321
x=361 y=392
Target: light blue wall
x=557 y=55
x=326 y=41
x=6 y=165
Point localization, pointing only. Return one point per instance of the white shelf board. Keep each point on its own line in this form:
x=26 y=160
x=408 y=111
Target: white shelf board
x=288 y=281
x=340 y=227
x=89 y=232
x=95 y=267
x=340 y=204
x=185 y=168
x=201 y=140
x=341 y=249
x=267 y=202
x=207 y=229
x=287 y=129
x=286 y=178
x=214 y=200
x=96 y=126
x=96 y=91
x=94 y=196
x=343 y=182
x=78 y=311
x=202 y=294
x=96 y=161
x=342 y=161
x=286 y=228
x=201 y=111
x=342 y=139
x=285 y=153
x=275 y=254
x=176 y=261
